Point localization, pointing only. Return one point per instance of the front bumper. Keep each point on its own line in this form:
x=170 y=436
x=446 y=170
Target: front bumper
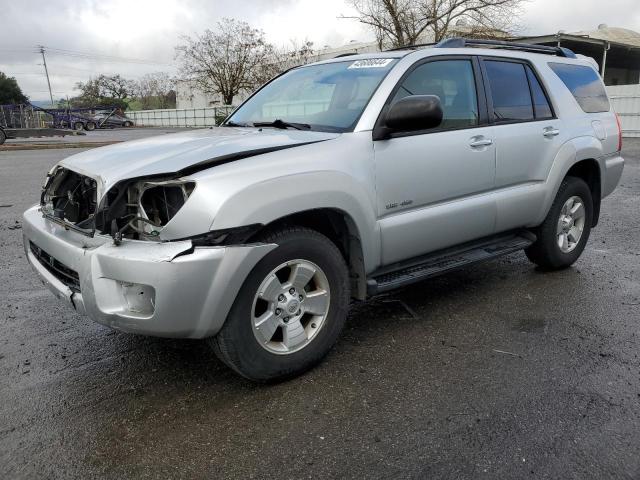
x=165 y=289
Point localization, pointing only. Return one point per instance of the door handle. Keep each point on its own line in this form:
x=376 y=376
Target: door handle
x=551 y=132
x=481 y=142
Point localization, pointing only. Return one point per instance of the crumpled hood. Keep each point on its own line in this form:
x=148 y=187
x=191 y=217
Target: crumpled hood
x=173 y=153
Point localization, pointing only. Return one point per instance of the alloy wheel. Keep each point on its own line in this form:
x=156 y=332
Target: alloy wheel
x=290 y=306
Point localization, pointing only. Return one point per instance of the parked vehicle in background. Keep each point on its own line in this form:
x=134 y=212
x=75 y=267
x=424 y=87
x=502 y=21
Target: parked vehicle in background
x=111 y=120
x=336 y=181
x=75 y=122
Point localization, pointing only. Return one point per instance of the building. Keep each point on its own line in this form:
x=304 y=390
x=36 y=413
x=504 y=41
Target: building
x=617 y=51
x=190 y=96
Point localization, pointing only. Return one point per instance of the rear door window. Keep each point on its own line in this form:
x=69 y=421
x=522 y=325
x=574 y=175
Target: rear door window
x=585 y=85
x=541 y=106
x=509 y=91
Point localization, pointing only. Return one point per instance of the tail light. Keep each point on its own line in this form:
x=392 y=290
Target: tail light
x=619 y=132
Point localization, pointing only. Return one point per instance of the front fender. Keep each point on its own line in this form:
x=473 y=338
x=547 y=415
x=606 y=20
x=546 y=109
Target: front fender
x=281 y=196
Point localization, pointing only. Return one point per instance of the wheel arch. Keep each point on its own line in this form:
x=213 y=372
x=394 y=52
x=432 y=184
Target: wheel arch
x=589 y=170
x=576 y=158
x=340 y=228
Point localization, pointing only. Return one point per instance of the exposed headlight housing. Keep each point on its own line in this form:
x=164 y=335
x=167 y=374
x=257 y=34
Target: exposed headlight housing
x=159 y=202
x=70 y=199
x=139 y=209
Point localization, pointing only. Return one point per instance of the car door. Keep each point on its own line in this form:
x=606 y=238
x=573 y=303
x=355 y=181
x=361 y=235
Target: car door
x=527 y=136
x=431 y=184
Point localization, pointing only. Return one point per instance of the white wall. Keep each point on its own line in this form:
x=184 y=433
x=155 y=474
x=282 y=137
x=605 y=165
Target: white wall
x=180 y=117
x=626 y=103
x=190 y=96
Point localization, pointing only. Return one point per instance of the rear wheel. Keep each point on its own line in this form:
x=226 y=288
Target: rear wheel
x=564 y=233
x=290 y=310
x=3 y=136
x=78 y=126
x=90 y=126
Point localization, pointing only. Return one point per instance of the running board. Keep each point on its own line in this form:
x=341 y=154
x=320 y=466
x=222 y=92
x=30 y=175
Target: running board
x=447 y=260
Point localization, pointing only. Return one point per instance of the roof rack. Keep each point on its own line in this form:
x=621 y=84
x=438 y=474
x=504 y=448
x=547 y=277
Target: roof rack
x=411 y=47
x=459 y=42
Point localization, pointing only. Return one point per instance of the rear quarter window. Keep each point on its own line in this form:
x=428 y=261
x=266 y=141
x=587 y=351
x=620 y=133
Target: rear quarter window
x=585 y=85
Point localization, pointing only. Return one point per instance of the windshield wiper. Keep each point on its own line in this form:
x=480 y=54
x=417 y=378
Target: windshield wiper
x=278 y=123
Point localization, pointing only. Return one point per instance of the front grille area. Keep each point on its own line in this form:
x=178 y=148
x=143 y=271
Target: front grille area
x=63 y=273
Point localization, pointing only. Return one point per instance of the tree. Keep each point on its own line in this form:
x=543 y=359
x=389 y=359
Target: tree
x=296 y=54
x=104 y=90
x=228 y=61
x=10 y=91
x=155 y=90
x=398 y=23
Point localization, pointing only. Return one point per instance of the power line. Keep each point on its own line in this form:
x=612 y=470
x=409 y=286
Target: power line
x=18 y=49
x=54 y=74
x=103 y=57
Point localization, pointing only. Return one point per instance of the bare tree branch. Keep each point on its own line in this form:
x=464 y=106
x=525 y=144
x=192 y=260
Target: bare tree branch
x=398 y=23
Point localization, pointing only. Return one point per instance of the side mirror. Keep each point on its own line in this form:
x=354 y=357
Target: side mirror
x=412 y=113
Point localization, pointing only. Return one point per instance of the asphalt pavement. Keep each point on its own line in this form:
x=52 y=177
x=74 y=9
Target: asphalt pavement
x=101 y=136
x=495 y=371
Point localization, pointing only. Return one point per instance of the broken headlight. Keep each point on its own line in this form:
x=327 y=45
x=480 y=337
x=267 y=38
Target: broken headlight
x=157 y=204
x=69 y=198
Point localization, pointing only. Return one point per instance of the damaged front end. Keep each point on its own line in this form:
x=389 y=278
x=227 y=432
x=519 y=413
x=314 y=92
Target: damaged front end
x=70 y=199
x=136 y=209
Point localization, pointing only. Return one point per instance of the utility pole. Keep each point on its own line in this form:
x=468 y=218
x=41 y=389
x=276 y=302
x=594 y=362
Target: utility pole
x=44 y=60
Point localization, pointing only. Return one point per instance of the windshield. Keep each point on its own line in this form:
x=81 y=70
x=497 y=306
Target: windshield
x=326 y=97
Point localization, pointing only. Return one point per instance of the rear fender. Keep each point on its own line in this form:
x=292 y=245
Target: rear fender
x=572 y=152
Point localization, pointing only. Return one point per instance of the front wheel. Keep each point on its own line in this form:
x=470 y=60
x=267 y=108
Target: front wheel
x=290 y=310
x=565 y=231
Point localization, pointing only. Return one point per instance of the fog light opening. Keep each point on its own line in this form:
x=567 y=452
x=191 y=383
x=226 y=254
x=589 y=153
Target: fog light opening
x=139 y=299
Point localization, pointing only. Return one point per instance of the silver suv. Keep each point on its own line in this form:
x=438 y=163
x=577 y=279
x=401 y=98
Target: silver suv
x=335 y=181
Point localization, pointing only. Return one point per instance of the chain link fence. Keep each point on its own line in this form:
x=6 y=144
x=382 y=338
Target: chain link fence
x=182 y=117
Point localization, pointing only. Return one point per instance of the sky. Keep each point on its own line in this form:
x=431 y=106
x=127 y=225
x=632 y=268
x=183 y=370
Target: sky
x=134 y=37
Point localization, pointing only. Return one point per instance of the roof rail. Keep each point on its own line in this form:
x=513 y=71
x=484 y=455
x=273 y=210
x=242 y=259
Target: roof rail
x=346 y=54
x=411 y=47
x=460 y=42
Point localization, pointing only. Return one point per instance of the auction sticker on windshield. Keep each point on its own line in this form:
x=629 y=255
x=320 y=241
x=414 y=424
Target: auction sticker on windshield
x=371 y=63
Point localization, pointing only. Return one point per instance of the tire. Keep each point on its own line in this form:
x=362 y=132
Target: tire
x=547 y=251
x=127 y=124
x=78 y=126
x=90 y=126
x=238 y=344
x=3 y=136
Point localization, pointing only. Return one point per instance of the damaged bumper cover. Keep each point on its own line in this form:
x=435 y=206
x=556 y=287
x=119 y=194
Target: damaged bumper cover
x=169 y=289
